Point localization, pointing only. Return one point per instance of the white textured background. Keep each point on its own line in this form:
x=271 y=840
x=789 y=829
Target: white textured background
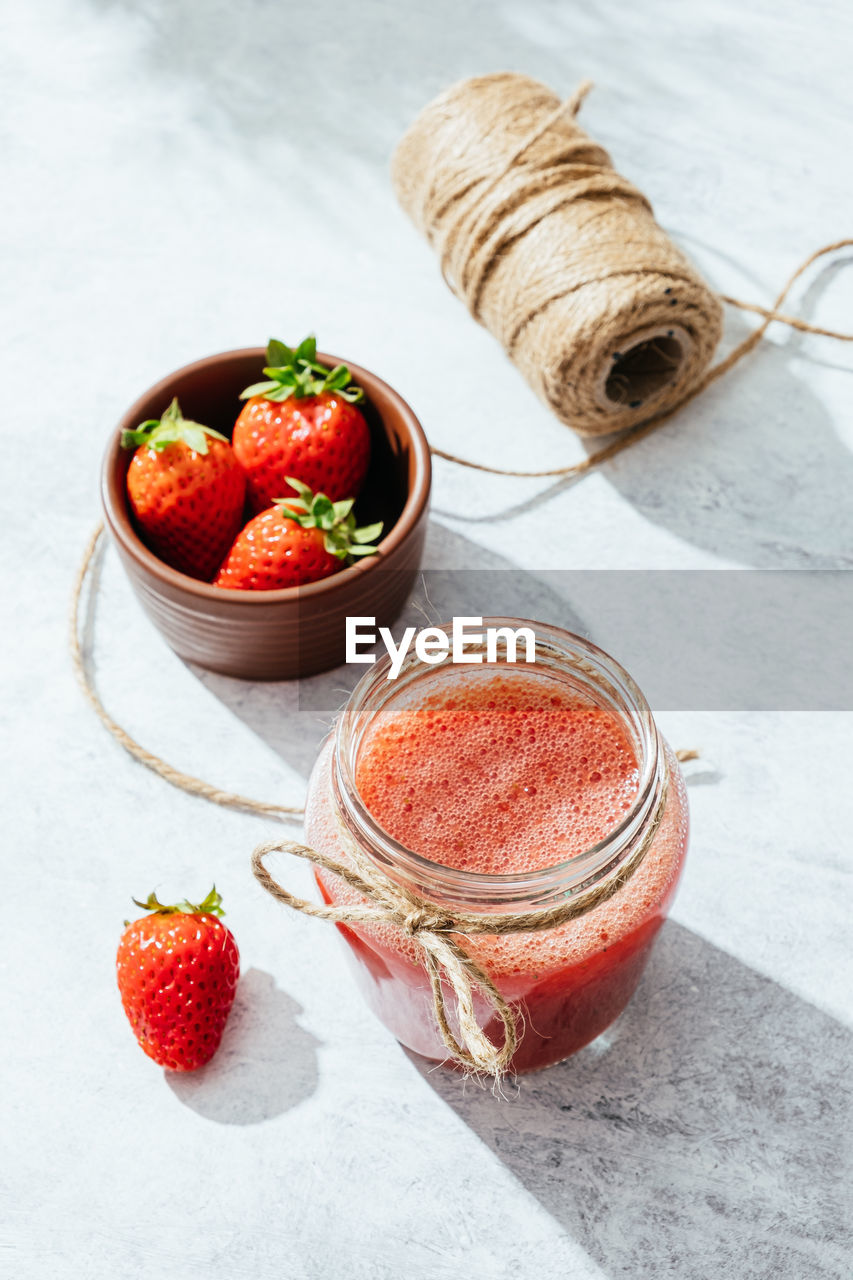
x=181 y=178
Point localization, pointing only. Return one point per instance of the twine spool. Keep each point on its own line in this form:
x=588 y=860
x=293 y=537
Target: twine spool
x=555 y=253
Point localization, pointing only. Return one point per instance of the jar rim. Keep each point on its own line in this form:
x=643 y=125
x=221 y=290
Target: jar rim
x=565 y=653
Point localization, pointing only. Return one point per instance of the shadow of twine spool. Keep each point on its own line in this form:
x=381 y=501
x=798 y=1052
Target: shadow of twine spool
x=561 y=259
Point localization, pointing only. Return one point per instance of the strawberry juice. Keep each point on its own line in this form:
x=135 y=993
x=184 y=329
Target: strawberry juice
x=519 y=774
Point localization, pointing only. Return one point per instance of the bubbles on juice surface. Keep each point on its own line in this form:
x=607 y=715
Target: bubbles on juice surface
x=514 y=958
x=496 y=776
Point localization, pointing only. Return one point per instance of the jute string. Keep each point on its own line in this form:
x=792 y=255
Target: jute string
x=439 y=934
x=177 y=778
x=562 y=260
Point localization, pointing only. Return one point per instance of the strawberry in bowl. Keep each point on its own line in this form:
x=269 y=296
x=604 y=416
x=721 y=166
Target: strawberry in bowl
x=302 y=420
x=294 y=542
x=186 y=490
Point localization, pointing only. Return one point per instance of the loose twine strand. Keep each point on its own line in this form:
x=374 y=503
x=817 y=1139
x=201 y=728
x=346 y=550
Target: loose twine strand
x=560 y=258
x=175 y=777
x=636 y=434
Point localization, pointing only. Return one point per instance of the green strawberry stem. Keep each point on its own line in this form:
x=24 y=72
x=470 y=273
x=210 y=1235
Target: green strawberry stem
x=297 y=373
x=172 y=428
x=211 y=906
x=341 y=538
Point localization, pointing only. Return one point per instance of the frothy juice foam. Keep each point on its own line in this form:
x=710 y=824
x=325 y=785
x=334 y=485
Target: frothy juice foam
x=499 y=775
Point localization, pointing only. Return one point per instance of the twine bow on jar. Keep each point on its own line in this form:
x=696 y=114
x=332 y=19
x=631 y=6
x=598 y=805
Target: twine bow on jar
x=439 y=934
x=430 y=929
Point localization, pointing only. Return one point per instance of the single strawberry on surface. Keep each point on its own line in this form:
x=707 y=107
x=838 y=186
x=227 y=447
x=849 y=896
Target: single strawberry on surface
x=296 y=541
x=177 y=972
x=302 y=422
x=186 y=490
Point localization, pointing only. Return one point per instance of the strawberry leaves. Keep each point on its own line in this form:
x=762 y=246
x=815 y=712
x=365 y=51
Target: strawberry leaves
x=296 y=372
x=210 y=906
x=341 y=537
x=172 y=428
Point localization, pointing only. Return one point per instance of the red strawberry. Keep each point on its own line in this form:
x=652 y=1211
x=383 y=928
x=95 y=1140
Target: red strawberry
x=304 y=423
x=295 y=541
x=177 y=973
x=186 y=490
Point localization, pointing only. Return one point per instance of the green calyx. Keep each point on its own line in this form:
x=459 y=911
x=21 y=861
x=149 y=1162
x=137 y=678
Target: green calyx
x=297 y=373
x=211 y=906
x=172 y=428
x=341 y=538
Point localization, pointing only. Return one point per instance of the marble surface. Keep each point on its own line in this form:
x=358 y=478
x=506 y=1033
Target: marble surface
x=183 y=178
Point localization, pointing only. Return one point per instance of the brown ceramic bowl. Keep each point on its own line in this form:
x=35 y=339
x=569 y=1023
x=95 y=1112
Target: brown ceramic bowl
x=276 y=635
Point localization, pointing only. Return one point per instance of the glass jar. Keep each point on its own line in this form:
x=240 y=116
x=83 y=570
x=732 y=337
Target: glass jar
x=568 y=983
